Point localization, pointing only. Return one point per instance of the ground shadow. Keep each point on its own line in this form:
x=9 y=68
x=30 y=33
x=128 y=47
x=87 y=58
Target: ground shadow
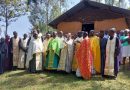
x=125 y=70
x=21 y=79
x=20 y=73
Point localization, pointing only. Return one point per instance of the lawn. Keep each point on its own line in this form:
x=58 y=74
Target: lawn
x=21 y=80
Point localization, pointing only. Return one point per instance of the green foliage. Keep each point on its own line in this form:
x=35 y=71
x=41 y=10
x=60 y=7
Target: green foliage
x=109 y=2
x=118 y=3
x=10 y=10
x=44 y=11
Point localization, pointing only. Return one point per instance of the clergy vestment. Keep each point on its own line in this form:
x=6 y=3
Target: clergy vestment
x=29 y=50
x=103 y=43
x=45 y=46
x=3 y=56
x=53 y=54
x=84 y=58
x=95 y=47
x=7 y=62
x=76 y=47
x=14 y=42
x=112 y=51
x=22 y=53
x=34 y=60
x=63 y=55
x=70 y=45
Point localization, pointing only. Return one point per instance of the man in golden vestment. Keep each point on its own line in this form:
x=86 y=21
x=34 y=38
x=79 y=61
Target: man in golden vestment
x=95 y=47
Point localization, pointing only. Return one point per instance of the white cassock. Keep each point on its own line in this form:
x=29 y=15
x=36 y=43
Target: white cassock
x=70 y=44
x=22 y=54
x=35 y=47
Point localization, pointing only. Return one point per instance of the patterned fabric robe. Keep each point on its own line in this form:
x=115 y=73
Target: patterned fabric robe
x=22 y=53
x=14 y=42
x=84 y=58
x=34 y=60
x=53 y=54
x=70 y=44
x=95 y=47
x=45 y=45
x=76 y=47
x=63 y=57
x=111 y=63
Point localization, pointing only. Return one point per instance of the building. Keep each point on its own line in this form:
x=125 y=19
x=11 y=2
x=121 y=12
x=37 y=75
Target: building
x=88 y=15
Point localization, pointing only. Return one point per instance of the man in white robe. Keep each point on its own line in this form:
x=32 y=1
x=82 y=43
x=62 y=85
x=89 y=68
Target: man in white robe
x=34 y=60
x=112 y=51
x=22 y=53
x=14 y=44
x=63 y=53
x=70 y=44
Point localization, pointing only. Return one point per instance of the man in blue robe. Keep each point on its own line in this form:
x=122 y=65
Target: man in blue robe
x=3 y=54
x=103 y=42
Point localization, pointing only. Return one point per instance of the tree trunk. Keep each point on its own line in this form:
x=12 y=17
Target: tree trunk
x=6 y=30
x=47 y=15
x=6 y=21
x=60 y=6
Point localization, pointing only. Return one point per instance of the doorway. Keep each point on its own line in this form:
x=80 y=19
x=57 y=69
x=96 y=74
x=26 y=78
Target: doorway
x=87 y=27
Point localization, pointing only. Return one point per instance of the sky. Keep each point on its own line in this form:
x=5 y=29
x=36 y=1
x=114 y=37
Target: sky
x=22 y=25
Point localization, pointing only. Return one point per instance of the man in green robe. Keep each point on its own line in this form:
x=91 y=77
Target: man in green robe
x=53 y=53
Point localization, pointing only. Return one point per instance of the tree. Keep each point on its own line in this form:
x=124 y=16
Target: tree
x=98 y=0
x=118 y=3
x=44 y=11
x=129 y=2
x=0 y=31
x=10 y=10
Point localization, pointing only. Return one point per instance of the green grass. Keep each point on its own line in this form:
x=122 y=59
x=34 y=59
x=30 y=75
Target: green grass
x=21 y=80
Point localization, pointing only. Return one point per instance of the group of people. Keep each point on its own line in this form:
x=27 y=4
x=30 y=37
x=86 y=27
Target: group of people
x=85 y=53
